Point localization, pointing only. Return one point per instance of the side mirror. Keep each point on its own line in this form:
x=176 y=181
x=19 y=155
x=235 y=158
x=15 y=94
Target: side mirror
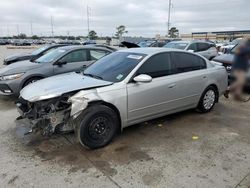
x=191 y=51
x=143 y=78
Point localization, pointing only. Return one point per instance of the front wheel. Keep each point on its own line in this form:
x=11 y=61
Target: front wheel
x=96 y=126
x=208 y=99
x=31 y=80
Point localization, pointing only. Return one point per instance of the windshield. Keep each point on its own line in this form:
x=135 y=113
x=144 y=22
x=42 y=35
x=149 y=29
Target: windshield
x=51 y=56
x=145 y=44
x=114 y=67
x=176 y=45
x=39 y=50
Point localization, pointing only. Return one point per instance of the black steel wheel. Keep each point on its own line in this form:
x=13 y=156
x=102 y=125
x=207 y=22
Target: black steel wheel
x=96 y=126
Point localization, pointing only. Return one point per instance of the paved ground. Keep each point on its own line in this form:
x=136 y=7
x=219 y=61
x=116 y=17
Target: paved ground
x=159 y=153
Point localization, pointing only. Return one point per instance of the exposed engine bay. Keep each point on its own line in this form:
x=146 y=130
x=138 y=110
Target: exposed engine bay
x=47 y=116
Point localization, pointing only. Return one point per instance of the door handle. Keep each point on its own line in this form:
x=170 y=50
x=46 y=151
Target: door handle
x=204 y=77
x=171 y=85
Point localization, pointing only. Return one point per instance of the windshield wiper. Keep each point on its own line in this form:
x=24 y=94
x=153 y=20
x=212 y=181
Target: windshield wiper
x=93 y=76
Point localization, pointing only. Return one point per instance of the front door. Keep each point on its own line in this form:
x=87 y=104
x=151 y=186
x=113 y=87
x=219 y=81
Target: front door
x=147 y=100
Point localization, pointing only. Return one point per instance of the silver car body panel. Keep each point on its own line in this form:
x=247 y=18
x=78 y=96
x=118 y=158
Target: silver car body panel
x=57 y=85
x=135 y=102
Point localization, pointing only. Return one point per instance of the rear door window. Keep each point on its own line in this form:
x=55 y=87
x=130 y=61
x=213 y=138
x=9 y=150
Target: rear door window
x=193 y=46
x=185 y=62
x=157 y=66
x=203 y=47
x=75 y=56
x=97 y=54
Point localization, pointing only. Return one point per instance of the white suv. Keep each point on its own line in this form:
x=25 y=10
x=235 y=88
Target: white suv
x=206 y=49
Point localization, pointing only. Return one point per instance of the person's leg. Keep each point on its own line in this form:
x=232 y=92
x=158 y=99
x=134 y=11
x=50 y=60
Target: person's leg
x=231 y=88
x=240 y=86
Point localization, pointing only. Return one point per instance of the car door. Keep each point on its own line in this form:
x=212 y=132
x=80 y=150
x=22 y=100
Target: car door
x=190 y=80
x=146 y=100
x=74 y=61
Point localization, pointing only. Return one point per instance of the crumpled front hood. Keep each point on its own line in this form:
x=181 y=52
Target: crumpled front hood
x=224 y=58
x=55 y=86
x=18 y=67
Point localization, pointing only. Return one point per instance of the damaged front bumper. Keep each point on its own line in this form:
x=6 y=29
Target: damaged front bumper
x=47 y=117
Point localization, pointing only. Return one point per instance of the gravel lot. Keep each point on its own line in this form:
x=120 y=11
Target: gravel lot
x=159 y=153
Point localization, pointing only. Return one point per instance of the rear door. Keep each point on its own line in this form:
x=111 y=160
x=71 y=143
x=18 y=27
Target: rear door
x=191 y=77
x=76 y=60
x=146 y=100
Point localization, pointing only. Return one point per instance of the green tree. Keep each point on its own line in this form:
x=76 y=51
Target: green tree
x=22 y=36
x=173 y=32
x=35 y=37
x=121 y=30
x=92 y=35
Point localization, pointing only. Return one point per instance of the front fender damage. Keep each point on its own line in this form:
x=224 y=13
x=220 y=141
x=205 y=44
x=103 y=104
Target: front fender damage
x=80 y=101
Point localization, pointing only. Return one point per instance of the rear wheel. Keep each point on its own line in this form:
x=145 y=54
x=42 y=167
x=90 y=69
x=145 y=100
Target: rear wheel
x=208 y=99
x=96 y=126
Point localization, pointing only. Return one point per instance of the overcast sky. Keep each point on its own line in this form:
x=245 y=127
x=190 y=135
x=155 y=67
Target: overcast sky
x=141 y=17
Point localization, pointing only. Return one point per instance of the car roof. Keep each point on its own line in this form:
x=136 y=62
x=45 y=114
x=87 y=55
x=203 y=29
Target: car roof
x=150 y=50
x=192 y=41
x=79 y=47
x=181 y=41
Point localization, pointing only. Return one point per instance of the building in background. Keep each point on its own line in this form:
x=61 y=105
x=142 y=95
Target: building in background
x=217 y=35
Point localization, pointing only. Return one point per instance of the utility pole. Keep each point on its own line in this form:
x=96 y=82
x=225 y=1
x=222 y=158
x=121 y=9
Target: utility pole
x=88 y=16
x=169 y=14
x=17 y=29
x=52 y=26
x=31 y=28
x=8 y=31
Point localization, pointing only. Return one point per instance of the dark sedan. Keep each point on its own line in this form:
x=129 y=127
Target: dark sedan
x=31 y=56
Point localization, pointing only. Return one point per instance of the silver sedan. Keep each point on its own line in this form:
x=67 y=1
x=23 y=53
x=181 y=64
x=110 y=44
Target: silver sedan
x=122 y=89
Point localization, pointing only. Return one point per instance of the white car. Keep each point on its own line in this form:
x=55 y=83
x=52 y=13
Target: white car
x=206 y=49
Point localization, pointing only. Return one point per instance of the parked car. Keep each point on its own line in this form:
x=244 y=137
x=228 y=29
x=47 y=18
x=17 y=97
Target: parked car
x=124 y=88
x=4 y=42
x=31 y=56
x=227 y=48
x=16 y=76
x=206 y=49
x=147 y=43
x=227 y=61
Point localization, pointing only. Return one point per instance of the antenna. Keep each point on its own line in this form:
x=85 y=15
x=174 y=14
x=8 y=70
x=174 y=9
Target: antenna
x=169 y=14
x=52 y=26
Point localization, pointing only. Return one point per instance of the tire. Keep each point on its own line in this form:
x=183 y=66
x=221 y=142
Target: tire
x=208 y=99
x=96 y=126
x=31 y=80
